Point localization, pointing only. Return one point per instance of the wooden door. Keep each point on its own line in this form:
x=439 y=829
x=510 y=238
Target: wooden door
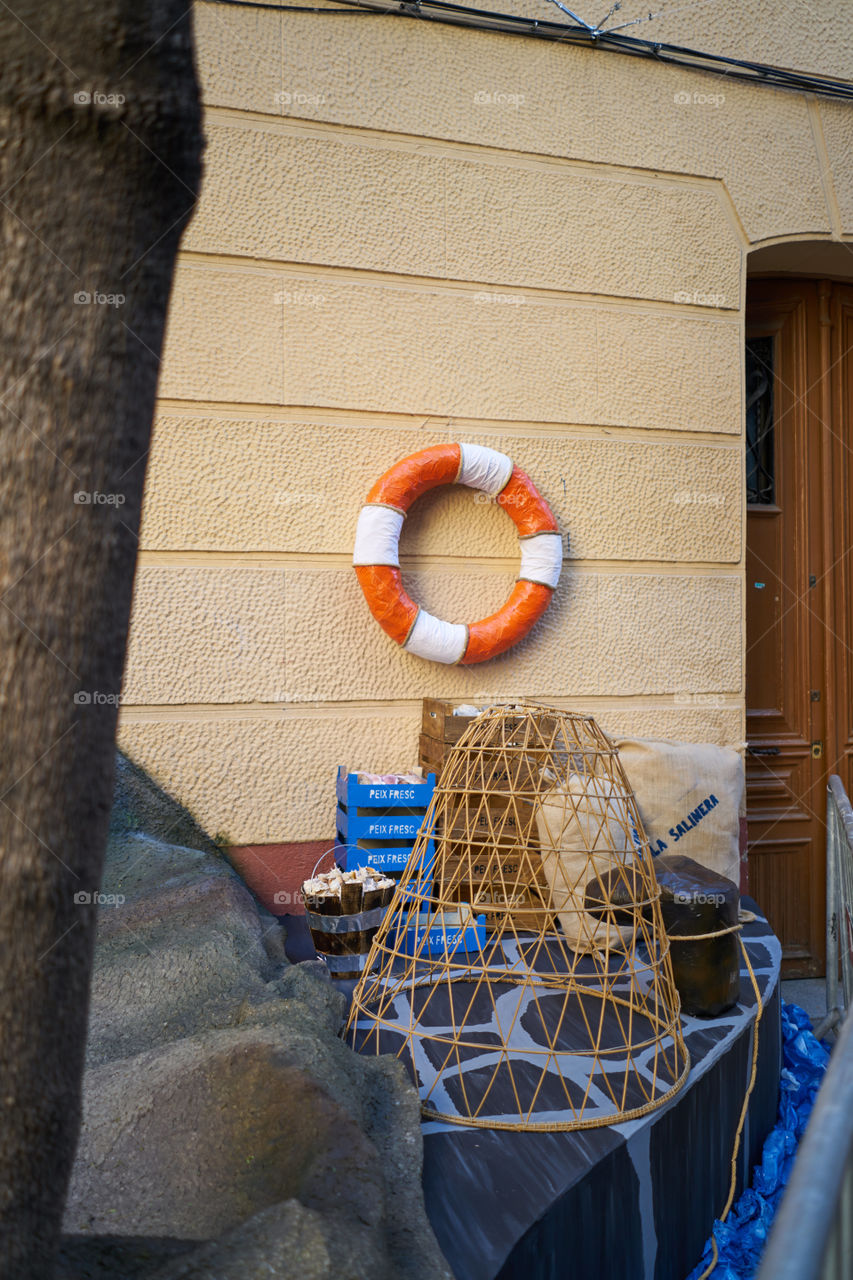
x=798 y=588
x=837 y=372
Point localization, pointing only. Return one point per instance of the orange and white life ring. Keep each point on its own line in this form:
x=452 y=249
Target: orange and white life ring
x=377 y=562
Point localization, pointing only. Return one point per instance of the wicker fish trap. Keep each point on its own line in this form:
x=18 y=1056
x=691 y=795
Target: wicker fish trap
x=522 y=972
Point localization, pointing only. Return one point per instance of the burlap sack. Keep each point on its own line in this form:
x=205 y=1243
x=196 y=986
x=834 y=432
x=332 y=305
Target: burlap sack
x=689 y=796
x=585 y=830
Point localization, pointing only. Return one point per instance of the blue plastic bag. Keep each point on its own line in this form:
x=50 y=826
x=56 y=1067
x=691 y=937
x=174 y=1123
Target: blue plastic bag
x=742 y=1237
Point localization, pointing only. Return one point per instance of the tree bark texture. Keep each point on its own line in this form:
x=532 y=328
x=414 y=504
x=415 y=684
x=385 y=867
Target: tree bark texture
x=100 y=153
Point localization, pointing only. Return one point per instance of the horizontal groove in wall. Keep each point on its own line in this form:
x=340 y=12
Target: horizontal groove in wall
x=493 y=564
x=434 y=284
x=367 y=419
x=507 y=157
x=492 y=154
x=365 y=710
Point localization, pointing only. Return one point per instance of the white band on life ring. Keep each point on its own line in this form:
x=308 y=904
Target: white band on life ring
x=484 y=469
x=377 y=536
x=542 y=558
x=436 y=639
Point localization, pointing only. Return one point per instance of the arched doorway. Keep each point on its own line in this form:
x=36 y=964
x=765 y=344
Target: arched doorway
x=799 y=578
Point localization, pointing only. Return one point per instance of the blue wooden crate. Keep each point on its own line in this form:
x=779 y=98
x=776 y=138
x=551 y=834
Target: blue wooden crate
x=396 y=825
x=353 y=794
x=442 y=939
x=387 y=857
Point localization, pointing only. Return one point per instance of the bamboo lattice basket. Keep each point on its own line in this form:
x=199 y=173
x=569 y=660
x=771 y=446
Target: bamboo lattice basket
x=522 y=972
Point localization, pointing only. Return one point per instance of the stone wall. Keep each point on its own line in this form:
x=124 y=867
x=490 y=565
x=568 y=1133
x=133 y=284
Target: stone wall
x=411 y=233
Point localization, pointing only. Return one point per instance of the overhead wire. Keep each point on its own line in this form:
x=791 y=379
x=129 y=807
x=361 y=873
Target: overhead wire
x=513 y=24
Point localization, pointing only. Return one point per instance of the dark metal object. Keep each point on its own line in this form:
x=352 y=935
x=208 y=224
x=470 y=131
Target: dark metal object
x=760 y=476
x=812 y=1236
x=697 y=902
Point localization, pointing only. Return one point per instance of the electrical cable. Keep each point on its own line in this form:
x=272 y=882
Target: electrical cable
x=291 y=8
x=513 y=24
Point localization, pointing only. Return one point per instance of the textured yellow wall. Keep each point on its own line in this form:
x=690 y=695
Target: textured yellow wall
x=412 y=233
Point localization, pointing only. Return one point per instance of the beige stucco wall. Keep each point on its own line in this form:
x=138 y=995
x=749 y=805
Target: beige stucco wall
x=412 y=233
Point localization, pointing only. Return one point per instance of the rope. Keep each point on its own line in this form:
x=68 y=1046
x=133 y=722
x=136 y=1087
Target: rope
x=746 y=918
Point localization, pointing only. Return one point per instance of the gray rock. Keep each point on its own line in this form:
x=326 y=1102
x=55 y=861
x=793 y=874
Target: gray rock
x=140 y=805
x=191 y=1139
x=219 y=1097
x=181 y=954
x=188 y=1140
x=113 y=1257
x=182 y=943
x=286 y=1239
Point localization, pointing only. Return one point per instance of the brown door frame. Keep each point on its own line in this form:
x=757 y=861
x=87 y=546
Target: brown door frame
x=785 y=791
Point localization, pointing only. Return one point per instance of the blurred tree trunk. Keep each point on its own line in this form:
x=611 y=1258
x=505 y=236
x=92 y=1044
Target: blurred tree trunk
x=100 y=152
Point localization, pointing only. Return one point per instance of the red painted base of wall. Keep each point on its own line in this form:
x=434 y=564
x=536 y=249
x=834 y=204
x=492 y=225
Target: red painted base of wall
x=275 y=872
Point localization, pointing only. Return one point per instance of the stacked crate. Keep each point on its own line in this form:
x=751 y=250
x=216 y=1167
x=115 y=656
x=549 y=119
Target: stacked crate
x=485 y=809
x=379 y=822
x=440 y=730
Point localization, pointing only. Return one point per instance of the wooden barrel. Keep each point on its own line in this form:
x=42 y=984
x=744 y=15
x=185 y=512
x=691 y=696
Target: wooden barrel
x=343 y=928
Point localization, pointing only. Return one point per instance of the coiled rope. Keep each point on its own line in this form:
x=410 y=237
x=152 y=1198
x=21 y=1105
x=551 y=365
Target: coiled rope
x=744 y=917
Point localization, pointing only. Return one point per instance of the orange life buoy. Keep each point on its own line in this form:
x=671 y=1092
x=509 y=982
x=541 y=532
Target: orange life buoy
x=377 y=562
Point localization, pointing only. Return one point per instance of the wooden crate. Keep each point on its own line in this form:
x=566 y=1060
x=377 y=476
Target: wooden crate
x=431 y=754
x=499 y=819
x=440 y=731
x=439 y=723
x=527 y=907
x=457 y=860
x=486 y=874
x=486 y=773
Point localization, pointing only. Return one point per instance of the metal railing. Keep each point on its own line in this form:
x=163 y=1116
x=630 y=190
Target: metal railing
x=812 y=1235
x=839 y=903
